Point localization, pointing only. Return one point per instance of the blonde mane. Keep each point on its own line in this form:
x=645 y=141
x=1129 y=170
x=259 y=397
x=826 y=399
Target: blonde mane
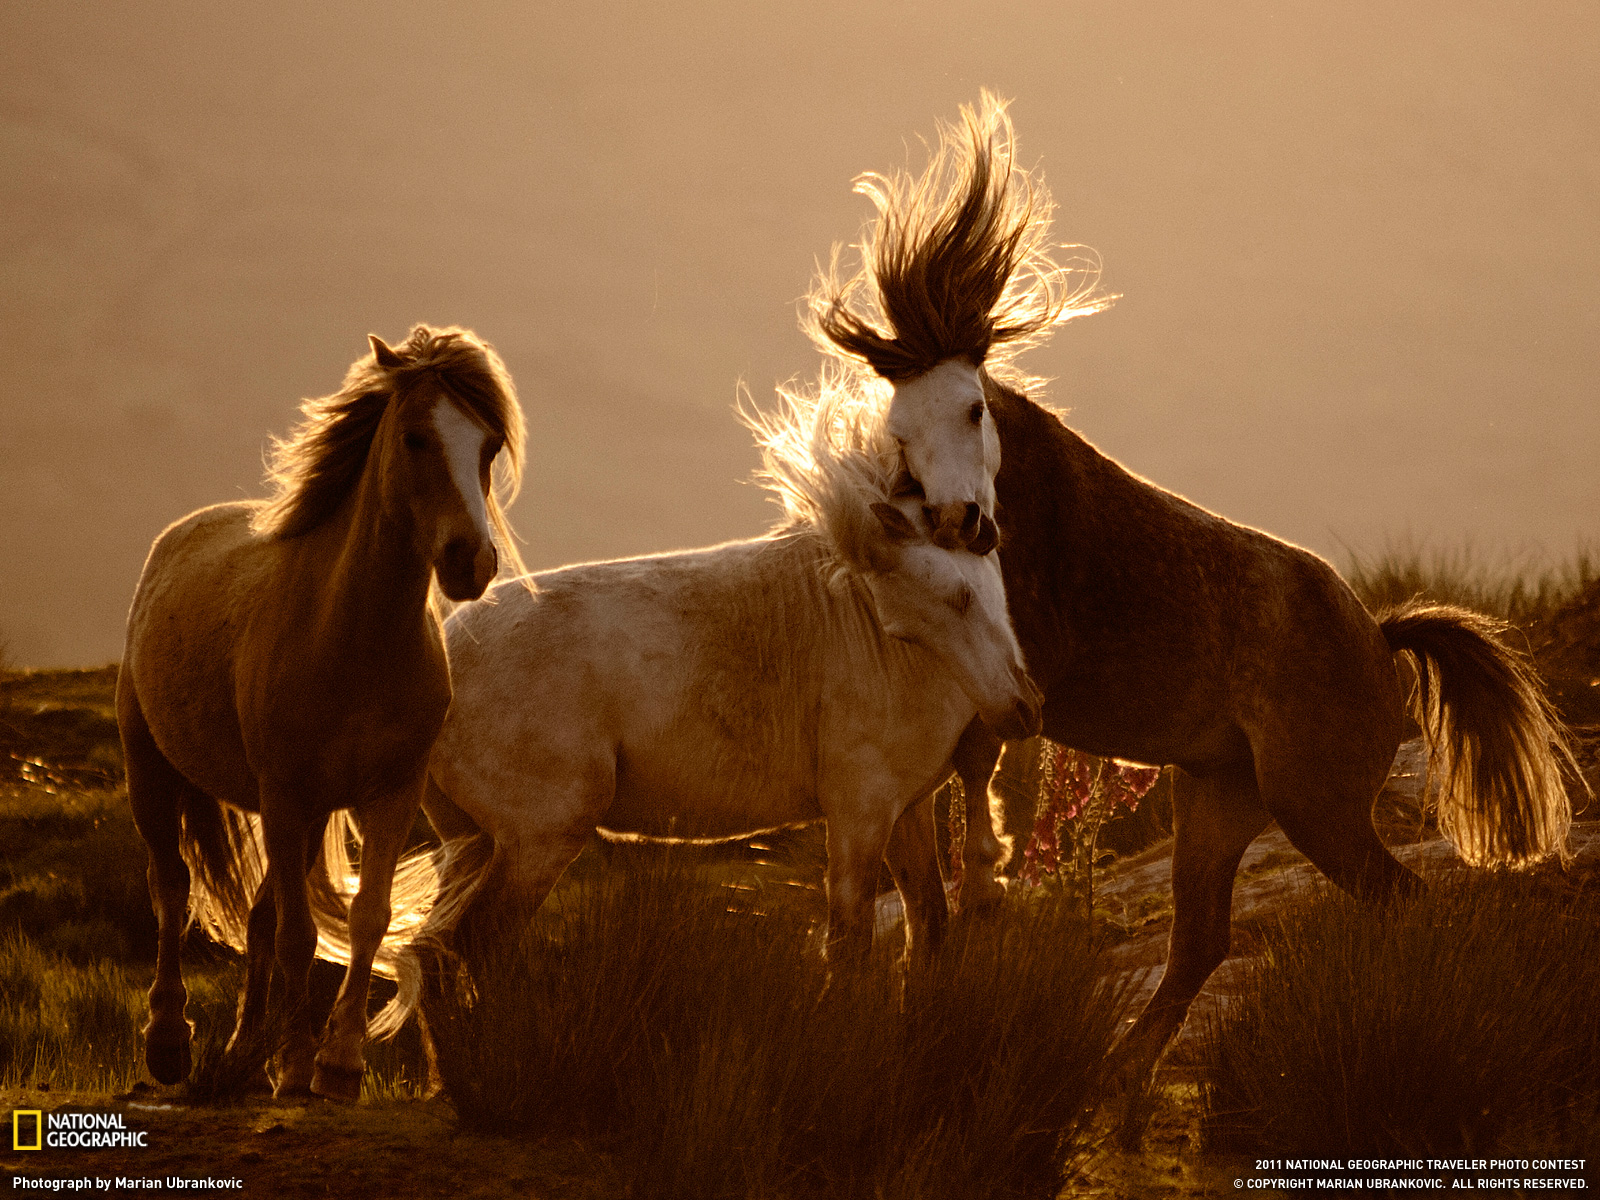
x=827 y=458
x=317 y=466
x=958 y=264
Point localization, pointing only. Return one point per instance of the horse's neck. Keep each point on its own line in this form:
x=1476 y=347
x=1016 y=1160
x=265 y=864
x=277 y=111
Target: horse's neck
x=853 y=639
x=370 y=582
x=1101 y=556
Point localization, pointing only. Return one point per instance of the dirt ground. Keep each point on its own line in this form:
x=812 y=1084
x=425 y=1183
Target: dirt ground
x=411 y=1148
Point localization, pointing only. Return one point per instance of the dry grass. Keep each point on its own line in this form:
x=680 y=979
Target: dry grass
x=1523 y=590
x=706 y=1046
x=1463 y=1023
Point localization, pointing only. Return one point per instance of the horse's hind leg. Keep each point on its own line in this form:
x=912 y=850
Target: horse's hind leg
x=291 y=840
x=1325 y=809
x=246 y=1041
x=1214 y=821
x=156 y=793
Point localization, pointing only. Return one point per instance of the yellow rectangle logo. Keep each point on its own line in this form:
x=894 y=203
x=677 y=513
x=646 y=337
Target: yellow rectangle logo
x=27 y=1129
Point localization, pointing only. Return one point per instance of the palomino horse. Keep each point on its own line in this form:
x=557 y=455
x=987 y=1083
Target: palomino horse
x=284 y=659
x=956 y=268
x=823 y=671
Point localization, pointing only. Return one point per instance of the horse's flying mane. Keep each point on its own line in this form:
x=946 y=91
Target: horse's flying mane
x=958 y=264
x=314 y=469
x=827 y=458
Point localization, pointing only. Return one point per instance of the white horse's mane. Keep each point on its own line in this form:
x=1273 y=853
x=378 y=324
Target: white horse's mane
x=827 y=458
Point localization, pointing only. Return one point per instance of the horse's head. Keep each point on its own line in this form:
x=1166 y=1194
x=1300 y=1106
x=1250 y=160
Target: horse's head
x=953 y=603
x=951 y=450
x=436 y=457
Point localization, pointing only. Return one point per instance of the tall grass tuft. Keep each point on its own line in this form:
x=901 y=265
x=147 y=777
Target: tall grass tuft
x=65 y=1024
x=700 y=1038
x=1466 y=1022
x=1520 y=592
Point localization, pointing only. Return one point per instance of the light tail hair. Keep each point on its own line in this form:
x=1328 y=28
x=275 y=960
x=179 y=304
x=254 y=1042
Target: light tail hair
x=224 y=888
x=1497 y=748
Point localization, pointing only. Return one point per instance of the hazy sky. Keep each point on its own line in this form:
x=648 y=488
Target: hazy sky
x=1358 y=245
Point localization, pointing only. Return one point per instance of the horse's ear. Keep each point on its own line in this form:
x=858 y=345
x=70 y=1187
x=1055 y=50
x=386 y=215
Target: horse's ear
x=895 y=523
x=386 y=357
x=987 y=537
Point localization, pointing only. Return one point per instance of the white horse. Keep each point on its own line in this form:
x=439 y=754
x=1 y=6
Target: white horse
x=823 y=671
x=956 y=272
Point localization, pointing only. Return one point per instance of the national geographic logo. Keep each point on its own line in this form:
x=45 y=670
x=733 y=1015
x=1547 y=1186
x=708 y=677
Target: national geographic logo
x=35 y=1129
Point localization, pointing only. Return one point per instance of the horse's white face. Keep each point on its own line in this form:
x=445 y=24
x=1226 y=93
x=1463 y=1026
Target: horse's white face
x=952 y=449
x=448 y=456
x=953 y=603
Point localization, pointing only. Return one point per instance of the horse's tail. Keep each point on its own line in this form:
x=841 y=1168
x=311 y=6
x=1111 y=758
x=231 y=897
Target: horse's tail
x=431 y=891
x=1496 y=745
x=227 y=860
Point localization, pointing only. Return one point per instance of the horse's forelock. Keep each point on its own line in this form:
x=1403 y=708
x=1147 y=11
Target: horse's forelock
x=958 y=264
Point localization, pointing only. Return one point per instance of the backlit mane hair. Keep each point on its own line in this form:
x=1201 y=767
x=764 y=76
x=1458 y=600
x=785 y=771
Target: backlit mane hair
x=317 y=466
x=958 y=264
x=827 y=458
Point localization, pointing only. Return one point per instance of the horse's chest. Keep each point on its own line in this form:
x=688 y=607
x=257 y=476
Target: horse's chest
x=346 y=752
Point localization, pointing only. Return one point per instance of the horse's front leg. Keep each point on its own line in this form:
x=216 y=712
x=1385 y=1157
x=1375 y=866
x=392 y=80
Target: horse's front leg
x=384 y=825
x=913 y=858
x=290 y=841
x=975 y=757
x=856 y=845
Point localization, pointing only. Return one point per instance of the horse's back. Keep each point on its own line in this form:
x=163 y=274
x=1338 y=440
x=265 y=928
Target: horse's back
x=1158 y=629
x=685 y=675
x=190 y=609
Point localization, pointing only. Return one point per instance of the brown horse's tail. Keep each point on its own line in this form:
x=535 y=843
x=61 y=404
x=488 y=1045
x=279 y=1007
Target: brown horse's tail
x=222 y=847
x=1496 y=746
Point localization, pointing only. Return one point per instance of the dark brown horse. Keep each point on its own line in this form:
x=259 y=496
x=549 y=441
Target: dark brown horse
x=1159 y=632
x=284 y=660
x=1163 y=633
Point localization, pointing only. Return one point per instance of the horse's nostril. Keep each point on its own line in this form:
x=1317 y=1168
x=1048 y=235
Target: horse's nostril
x=969 y=521
x=932 y=516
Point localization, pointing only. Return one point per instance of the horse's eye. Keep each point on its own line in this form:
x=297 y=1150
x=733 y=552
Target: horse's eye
x=415 y=441
x=975 y=414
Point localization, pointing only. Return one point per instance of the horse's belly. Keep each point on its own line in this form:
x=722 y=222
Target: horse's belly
x=703 y=806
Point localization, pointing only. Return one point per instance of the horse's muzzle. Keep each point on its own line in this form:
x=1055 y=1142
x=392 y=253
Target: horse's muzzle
x=465 y=569
x=1026 y=717
x=959 y=526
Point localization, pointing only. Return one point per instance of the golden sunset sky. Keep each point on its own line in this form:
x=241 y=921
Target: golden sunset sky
x=1358 y=247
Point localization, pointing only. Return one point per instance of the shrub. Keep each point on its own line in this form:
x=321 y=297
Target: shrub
x=696 y=1033
x=1462 y=1023
x=1520 y=592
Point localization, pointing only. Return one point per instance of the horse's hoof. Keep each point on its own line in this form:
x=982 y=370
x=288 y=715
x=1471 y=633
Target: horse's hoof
x=337 y=1083
x=982 y=897
x=292 y=1093
x=169 y=1061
